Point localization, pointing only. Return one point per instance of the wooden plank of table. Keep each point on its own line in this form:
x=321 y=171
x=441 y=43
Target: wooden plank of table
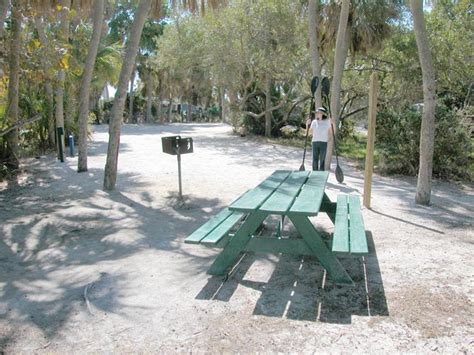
x=357 y=230
x=222 y=229
x=340 y=243
x=208 y=227
x=254 y=198
x=311 y=195
x=281 y=200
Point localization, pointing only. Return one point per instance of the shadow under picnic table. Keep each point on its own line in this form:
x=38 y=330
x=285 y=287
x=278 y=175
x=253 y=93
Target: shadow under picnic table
x=298 y=289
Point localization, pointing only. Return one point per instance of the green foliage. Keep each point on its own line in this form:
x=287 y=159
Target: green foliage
x=355 y=147
x=346 y=130
x=235 y=50
x=398 y=137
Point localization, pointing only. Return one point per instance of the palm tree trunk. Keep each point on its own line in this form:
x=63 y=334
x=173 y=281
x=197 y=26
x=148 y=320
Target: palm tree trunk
x=268 y=106
x=149 y=96
x=130 y=97
x=170 y=97
x=340 y=55
x=427 y=134
x=48 y=86
x=221 y=103
x=170 y=108
x=63 y=37
x=158 y=102
x=84 y=95
x=12 y=156
x=110 y=174
x=314 y=45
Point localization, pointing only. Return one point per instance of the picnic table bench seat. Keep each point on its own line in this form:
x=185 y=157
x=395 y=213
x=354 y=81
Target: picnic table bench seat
x=214 y=230
x=349 y=233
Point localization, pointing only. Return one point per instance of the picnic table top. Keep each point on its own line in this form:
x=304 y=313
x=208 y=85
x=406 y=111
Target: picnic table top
x=285 y=192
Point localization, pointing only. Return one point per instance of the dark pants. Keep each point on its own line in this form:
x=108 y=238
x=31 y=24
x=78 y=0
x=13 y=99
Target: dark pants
x=319 y=154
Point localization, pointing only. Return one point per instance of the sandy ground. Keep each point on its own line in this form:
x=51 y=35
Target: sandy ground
x=87 y=271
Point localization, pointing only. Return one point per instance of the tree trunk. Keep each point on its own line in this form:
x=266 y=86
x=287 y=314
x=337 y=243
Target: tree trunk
x=70 y=106
x=3 y=15
x=149 y=96
x=314 y=45
x=130 y=96
x=170 y=108
x=158 y=103
x=48 y=86
x=268 y=105
x=427 y=134
x=222 y=104
x=110 y=174
x=340 y=56
x=170 y=97
x=12 y=156
x=63 y=37
x=84 y=95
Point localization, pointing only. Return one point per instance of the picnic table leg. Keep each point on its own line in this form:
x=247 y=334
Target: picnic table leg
x=327 y=259
x=229 y=256
x=329 y=207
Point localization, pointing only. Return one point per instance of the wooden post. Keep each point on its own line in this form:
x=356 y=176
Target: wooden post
x=369 y=157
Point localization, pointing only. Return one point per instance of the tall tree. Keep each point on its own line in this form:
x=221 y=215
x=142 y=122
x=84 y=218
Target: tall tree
x=110 y=174
x=84 y=96
x=314 y=45
x=13 y=85
x=427 y=134
x=48 y=84
x=63 y=37
x=340 y=55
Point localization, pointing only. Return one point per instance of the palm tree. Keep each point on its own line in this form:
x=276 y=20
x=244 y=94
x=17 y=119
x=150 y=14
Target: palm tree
x=340 y=56
x=84 y=96
x=367 y=27
x=314 y=44
x=110 y=174
x=427 y=135
x=13 y=85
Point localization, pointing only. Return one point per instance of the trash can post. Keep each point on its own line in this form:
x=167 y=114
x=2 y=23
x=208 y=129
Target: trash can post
x=71 y=145
x=179 y=176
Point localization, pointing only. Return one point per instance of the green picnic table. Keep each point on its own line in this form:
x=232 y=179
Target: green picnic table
x=296 y=195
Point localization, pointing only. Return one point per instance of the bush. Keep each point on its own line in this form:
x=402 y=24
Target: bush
x=346 y=130
x=398 y=139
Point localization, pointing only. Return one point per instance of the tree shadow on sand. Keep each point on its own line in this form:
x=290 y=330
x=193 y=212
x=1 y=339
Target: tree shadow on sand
x=54 y=242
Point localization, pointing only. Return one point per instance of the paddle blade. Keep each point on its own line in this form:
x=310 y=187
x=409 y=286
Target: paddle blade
x=302 y=167
x=339 y=174
x=325 y=86
x=314 y=84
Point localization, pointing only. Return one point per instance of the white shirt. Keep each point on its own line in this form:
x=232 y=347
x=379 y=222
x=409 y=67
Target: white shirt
x=320 y=130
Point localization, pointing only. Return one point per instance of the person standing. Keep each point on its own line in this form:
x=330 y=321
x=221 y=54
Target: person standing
x=320 y=132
